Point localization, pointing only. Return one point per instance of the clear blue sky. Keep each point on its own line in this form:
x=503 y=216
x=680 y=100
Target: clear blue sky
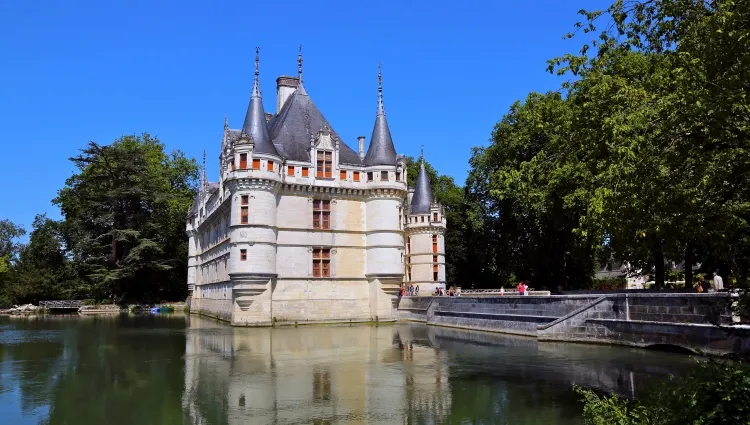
x=76 y=71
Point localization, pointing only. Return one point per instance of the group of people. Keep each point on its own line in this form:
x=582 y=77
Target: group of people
x=714 y=285
x=410 y=291
x=522 y=288
x=413 y=291
x=451 y=292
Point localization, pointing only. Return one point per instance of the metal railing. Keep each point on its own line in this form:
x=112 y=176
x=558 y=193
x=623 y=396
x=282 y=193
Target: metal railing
x=68 y=304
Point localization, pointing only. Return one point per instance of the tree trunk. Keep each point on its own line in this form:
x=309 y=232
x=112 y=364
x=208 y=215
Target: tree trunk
x=658 y=257
x=689 y=265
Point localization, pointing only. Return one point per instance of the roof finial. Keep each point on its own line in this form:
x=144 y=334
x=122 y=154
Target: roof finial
x=299 y=64
x=421 y=154
x=257 y=63
x=380 y=88
x=226 y=123
x=203 y=171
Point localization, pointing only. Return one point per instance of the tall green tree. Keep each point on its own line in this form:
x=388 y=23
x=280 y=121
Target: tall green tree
x=43 y=270
x=10 y=246
x=124 y=216
x=532 y=192
x=662 y=108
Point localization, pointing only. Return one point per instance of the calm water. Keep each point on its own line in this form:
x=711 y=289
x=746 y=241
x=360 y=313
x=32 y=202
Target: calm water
x=189 y=370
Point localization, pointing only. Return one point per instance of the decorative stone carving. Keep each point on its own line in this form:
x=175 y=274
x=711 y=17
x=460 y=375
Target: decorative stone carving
x=325 y=141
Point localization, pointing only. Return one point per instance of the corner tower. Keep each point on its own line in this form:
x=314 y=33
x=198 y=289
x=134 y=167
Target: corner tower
x=386 y=192
x=252 y=185
x=425 y=238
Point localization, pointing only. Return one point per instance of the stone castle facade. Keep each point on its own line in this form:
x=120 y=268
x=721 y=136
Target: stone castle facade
x=301 y=228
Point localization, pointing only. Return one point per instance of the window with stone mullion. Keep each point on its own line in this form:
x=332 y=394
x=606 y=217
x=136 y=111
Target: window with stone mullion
x=321 y=214
x=321 y=262
x=324 y=164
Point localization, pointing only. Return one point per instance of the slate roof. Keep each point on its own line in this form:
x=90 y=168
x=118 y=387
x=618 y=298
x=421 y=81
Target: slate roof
x=255 y=123
x=422 y=198
x=381 y=150
x=299 y=120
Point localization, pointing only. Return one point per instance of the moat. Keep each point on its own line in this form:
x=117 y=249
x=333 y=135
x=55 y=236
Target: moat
x=192 y=370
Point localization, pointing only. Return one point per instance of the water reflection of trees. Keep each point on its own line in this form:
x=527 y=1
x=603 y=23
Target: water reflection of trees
x=147 y=370
x=101 y=370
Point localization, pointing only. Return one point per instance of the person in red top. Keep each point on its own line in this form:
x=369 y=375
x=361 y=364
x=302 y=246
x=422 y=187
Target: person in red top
x=521 y=288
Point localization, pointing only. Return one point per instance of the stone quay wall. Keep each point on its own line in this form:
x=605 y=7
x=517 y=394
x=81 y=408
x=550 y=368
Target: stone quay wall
x=695 y=322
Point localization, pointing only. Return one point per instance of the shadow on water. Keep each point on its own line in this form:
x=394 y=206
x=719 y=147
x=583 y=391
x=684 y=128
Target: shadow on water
x=190 y=370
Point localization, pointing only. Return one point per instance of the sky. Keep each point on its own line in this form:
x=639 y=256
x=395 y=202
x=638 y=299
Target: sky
x=82 y=70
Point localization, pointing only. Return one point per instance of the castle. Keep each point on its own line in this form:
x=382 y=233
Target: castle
x=300 y=228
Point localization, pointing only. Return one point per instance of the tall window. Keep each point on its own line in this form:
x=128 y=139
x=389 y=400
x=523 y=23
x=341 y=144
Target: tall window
x=290 y=170
x=435 y=267
x=398 y=176
x=244 y=209
x=321 y=262
x=256 y=164
x=369 y=176
x=324 y=164
x=384 y=176
x=408 y=244
x=342 y=175
x=270 y=165
x=243 y=161
x=321 y=214
x=434 y=217
x=243 y=255
x=434 y=244
x=356 y=176
x=305 y=172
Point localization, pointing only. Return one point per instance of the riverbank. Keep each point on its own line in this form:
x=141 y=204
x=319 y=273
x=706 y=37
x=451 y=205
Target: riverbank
x=30 y=309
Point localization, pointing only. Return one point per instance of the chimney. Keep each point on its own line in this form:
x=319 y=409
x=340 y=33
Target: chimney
x=268 y=117
x=361 y=140
x=285 y=86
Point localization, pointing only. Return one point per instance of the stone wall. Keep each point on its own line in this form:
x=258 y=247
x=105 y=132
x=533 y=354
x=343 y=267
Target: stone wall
x=509 y=314
x=694 y=322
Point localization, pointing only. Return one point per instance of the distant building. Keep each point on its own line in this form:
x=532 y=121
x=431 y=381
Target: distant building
x=302 y=228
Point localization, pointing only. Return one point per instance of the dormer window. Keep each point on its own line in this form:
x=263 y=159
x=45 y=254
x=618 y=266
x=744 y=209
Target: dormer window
x=243 y=161
x=369 y=176
x=324 y=166
x=384 y=176
x=398 y=176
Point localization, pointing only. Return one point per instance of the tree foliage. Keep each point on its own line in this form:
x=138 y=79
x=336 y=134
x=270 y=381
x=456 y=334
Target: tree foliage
x=642 y=155
x=122 y=235
x=124 y=218
x=714 y=393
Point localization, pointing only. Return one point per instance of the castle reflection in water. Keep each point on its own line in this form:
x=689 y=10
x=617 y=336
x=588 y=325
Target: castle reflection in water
x=177 y=369
x=405 y=373
x=318 y=375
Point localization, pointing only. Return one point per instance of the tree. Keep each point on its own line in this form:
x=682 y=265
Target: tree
x=9 y=244
x=43 y=271
x=124 y=218
x=531 y=192
x=662 y=101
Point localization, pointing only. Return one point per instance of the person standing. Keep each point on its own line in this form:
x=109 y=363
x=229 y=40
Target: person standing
x=718 y=282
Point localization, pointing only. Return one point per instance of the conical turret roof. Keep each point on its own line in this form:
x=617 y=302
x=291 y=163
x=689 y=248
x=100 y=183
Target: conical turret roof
x=381 y=150
x=421 y=201
x=255 y=124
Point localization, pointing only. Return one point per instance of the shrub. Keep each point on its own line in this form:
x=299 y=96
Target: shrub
x=609 y=283
x=714 y=393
